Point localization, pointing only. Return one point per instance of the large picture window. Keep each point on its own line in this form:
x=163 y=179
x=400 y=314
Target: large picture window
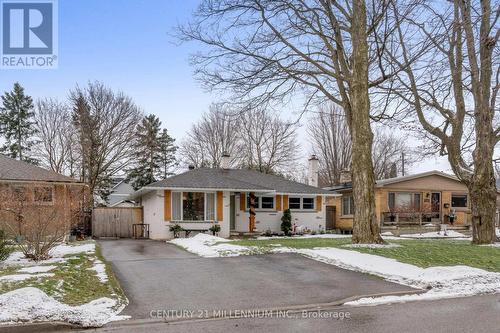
x=193 y=206
x=459 y=200
x=404 y=201
x=303 y=203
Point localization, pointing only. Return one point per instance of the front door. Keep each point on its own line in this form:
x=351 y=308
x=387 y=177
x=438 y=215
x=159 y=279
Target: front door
x=436 y=204
x=330 y=218
x=232 y=213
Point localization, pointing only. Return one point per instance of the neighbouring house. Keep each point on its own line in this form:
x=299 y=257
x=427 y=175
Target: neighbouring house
x=24 y=188
x=200 y=198
x=430 y=197
x=119 y=192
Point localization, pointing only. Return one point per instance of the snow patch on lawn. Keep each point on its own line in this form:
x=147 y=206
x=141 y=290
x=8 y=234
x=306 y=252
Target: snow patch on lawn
x=33 y=305
x=435 y=234
x=37 y=269
x=372 y=246
x=204 y=246
x=22 y=277
x=304 y=236
x=100 y=269
x=442 y=282
x=57 y=255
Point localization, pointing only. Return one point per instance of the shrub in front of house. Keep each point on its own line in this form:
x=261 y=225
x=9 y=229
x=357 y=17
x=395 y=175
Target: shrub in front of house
x=176 y=229
x=215 y=229
x=286 y=222
x=5 y=249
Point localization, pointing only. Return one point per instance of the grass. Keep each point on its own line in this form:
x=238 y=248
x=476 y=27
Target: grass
x=73 y=283
x=422 y=253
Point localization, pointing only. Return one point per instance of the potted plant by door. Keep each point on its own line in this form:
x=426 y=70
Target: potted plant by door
x=176 y=229
x=215 y=229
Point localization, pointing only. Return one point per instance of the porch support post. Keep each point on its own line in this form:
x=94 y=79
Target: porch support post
x=251 y=217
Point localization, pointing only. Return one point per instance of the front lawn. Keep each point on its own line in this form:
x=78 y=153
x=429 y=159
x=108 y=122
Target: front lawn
x=72 y=281
x=421 y=253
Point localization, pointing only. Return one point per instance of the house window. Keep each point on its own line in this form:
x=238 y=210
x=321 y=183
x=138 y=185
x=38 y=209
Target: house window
x=347 y=205
x=193 y=206
x=459 y=200
x=43 y=195
x=305 y=203
x=294 y=203
x=261 y=202
x=404 y=201
x=267 y=202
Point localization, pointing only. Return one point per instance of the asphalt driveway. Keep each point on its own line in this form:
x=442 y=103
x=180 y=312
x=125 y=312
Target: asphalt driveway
x=160 y=276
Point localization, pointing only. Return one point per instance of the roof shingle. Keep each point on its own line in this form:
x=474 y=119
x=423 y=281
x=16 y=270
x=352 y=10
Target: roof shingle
x=235 y=179
x=15 y=170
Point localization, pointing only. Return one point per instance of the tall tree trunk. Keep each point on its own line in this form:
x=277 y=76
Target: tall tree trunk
x=365 y=227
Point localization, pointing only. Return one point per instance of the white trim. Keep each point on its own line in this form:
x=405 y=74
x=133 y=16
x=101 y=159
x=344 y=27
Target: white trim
x=301 y=199
x=204 y=207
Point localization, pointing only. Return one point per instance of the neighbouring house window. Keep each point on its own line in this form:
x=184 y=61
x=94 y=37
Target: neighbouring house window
x=306 y=203
x=293 y=203
x=43 y=195
x=347 y=205
x=19 y=193
x=261 y=202
x=404 y=201
x=459 y=200
x=193 y=206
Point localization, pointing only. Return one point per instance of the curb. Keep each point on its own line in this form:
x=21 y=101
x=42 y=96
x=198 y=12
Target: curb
x=293 y=308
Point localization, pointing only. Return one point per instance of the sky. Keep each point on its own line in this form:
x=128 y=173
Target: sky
x=128 y=45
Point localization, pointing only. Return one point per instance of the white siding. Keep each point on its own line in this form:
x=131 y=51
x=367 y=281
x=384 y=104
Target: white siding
x=264 y=220
x=159 y=229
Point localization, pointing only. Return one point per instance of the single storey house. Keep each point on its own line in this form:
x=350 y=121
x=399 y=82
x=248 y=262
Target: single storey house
x=200 y=198
x=24 y=188
x=435 y=197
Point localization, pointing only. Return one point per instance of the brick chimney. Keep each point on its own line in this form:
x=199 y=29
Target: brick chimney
x=345 y=176
x=312 y=177
x=225 y=160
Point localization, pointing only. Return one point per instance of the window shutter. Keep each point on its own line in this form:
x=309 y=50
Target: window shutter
x=278 y=202
x=167 y=206
x=220 y=214
x=318 y=203
x=242 y=201
x=285 y=202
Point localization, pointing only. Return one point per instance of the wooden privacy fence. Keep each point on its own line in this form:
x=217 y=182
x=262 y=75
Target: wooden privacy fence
x=115 y=221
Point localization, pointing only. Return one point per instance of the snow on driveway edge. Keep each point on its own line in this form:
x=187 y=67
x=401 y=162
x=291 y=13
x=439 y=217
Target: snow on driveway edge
x=441 y=281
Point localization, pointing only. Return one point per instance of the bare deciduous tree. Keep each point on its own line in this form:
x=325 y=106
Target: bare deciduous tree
x=454 y=82
x=216 y=133
x=266 y=51
x=269 y=143
x=55 y=134
x=105 y=122
x=331 y=142
x=39 y=226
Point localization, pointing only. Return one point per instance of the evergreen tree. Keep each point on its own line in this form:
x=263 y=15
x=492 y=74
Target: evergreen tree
x=17 y=125
x=168 y=150
x=154 y=153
